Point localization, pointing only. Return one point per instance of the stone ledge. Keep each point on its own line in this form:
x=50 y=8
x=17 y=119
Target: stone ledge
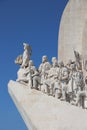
x=42 y=112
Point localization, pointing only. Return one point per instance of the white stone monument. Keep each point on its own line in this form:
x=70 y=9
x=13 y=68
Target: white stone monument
x=39 y=109
x=43 y=112
x=73 y=30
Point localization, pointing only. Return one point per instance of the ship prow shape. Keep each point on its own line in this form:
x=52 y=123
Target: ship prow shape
x=43 y=112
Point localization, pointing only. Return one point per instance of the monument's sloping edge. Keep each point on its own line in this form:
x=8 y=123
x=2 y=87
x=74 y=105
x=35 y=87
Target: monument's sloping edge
x=22 y=112
x=42 y=112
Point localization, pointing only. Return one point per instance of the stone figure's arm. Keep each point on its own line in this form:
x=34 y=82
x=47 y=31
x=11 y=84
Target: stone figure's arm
x=59 y=76
x=36 y=73
x=56 y=76
x=64 y=77
x=26 y=73
x=48 y=66
x=49 y=74
x=70 y=76
x=40 y=68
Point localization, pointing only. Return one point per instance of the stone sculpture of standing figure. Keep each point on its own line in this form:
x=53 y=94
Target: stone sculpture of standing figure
x=52 y=78
x=26 y=55
x=64 y=79
x=43 y=68
x=78 y=60
x=33 y=76
x=80 y=93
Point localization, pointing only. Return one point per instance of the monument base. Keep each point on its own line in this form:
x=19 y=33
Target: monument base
x=42 y=112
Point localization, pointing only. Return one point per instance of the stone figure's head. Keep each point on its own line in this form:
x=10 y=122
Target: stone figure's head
x=54 y=62
x=31 y=63
x=65 y=71
x=54 y=59
x=61 y=64
x=69 y=62
x=26 y=46
x=44 y=59
x=73 y=66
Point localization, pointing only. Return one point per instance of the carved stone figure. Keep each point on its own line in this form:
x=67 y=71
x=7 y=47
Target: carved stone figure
x=26 y=54
x=68 y=65
x=80 y=99
x=36 y=80
x=85 y=64
x=80 y=87
x=19 y=60
x=52 y=78
x=61 y=65
x=30 y=70
x=43 y=68
x=64 y=82
x=33 y=76
x=57 y=89
x=22 y=75
x=78 y=60
x=54 y=59
x=71 y=90
x=79 y=83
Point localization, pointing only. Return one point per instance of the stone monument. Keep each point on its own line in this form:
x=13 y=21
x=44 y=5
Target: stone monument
x=73 y=32
x=54 y=95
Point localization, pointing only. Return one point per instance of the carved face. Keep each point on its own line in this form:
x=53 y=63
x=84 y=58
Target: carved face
x=31 y=63
x=65 y=72
x=73 y=66
x=61 y=64
x=26 y=46
x=55 y=63
x=44 y=59
x=54 y=59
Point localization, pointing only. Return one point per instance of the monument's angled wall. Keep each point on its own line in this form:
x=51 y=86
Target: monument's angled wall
x=73 y=30
x=43 y=112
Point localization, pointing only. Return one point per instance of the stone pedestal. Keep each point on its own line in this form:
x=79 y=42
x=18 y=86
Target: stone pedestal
x=42 y=112
x=73 y=30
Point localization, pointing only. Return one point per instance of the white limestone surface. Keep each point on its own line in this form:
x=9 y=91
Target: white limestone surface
x=42 y=112
x=73 y=30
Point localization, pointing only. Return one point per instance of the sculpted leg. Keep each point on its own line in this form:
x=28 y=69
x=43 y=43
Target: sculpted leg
x=36 y=82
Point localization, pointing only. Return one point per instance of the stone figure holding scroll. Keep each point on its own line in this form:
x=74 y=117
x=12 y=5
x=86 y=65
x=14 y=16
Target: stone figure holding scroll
x=19 y=60
x=24 y=58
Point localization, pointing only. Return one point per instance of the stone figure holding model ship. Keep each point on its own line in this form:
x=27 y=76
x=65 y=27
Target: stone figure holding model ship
x=24 y=58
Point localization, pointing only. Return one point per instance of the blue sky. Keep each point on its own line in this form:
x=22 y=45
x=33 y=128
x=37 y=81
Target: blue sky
x=35 y=22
